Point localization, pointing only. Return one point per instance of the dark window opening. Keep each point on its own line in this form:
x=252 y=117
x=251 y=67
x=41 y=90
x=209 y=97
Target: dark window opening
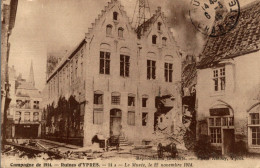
x=144 y=102
x=131 y=101
x=159 y=26
x=154 y=39
x=98 y=99
x=115 y=15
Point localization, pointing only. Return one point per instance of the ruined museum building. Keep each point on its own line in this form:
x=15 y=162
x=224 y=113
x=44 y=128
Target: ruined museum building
x=117 y=73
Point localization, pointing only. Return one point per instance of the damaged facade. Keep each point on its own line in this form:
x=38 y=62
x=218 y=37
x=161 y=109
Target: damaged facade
x=116 y=81
x=228 y=86
x=24 y=114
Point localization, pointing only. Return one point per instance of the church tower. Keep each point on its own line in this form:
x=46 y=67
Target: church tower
x=31 y=75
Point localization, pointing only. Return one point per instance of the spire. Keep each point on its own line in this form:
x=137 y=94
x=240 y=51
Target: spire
x=31 y=75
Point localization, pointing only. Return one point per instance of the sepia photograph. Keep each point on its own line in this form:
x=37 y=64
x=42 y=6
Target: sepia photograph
x=130 y=83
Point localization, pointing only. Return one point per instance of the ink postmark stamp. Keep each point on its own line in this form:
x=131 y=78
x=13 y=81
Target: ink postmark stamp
x=214 y=17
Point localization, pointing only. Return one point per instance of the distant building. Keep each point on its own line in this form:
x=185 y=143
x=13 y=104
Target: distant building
x=117 y=80
x=24 y=114
x=228 y=86
x=8 y=15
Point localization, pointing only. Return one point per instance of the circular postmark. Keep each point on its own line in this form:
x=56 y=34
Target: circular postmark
x=214 y=17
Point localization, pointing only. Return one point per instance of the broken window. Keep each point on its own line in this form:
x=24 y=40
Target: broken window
x=104 y=63
x=168 y=70
x=131 y=101
x=98 y=98
x=131 y=118
x=109 y=30
x=98 y=116
x=36 y=116
x=144 y=119
x=219 y=79
x=124 y=65
x=121 y=32
x=151 y=68
x=154 y=39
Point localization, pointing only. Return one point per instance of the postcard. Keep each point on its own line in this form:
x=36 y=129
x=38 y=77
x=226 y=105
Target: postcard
x=130 y=83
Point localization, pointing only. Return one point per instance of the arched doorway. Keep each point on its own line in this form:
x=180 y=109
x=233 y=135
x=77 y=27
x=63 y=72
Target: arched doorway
x=115 y=122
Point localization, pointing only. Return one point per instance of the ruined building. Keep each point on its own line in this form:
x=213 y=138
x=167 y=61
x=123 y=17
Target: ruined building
x=8 y=15
x=24 y=114
x=117 y=80
x=228 y=86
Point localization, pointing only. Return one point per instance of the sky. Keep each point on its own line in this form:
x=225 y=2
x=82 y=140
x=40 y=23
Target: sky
x=54 y=27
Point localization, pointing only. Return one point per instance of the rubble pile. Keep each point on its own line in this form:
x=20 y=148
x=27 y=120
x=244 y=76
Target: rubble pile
x=34 y=149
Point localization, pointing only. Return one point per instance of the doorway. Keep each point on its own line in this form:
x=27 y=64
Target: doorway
x=228 y=141
x=115 y=122
x=26 y=131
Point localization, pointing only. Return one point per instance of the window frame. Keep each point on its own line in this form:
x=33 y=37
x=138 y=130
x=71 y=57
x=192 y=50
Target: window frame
x=98 y=98
x=219 y=122
x=115 y=98
x=151 y=69
x=219 y=79
x=104 y=63
x=124 y=65
x=254 y=123
x=168 y=72
x=131 y=100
